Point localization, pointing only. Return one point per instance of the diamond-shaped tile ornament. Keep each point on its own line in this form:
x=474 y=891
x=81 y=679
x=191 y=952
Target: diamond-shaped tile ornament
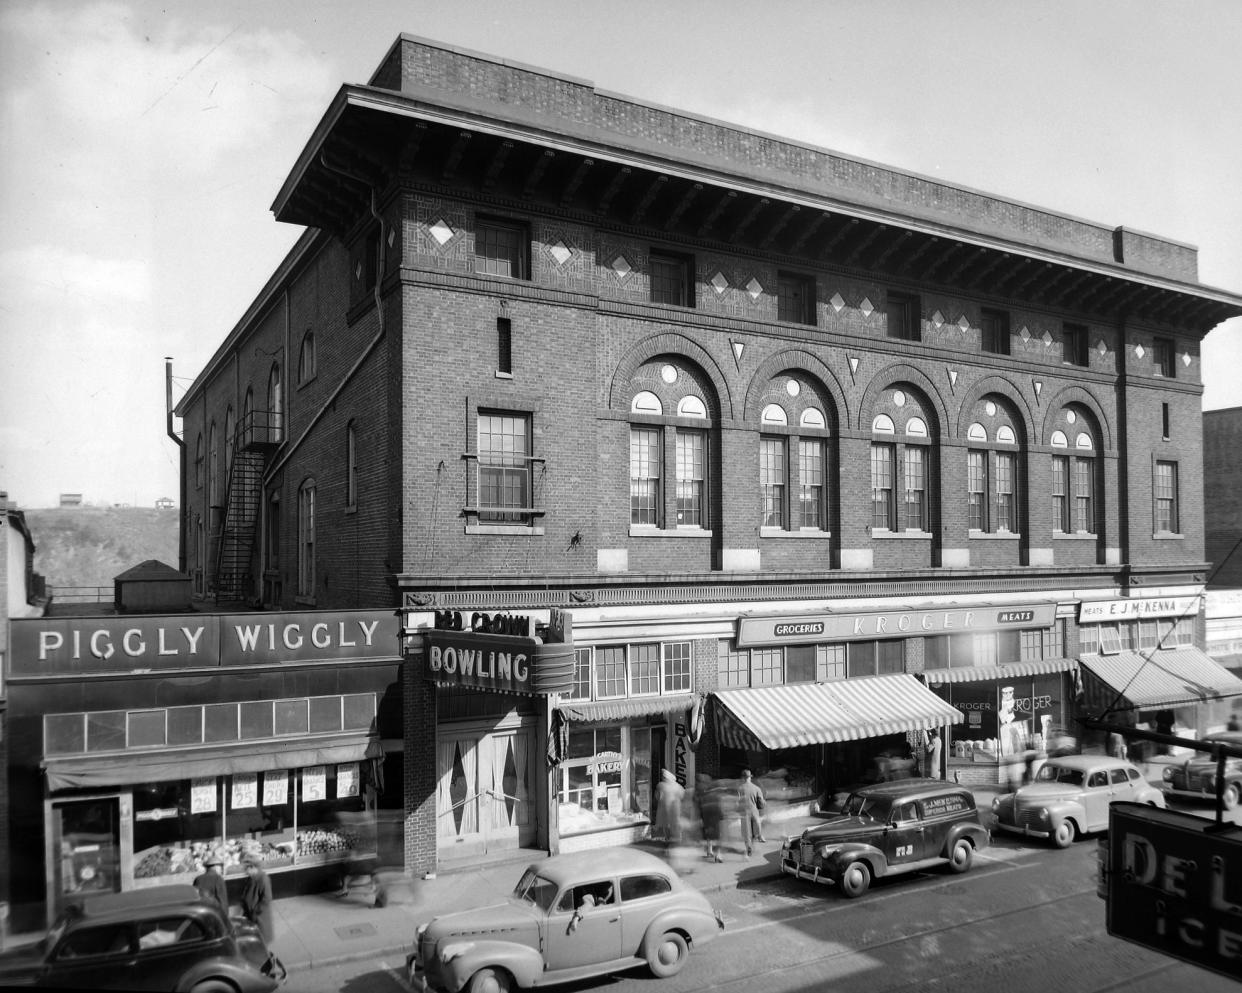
x=838 y=304
x=560 y=253
x=392 y=237
x=1101 y=347
x=1138 y=350
x=1047 y=337
x=719 y=283
x=621 y=267
x=963 y=324
x=1186 y=359
x=938 y=320
x=442 y=232
x=866 y=307
x=358 y=271
x=1025 y=333
x=754 y=289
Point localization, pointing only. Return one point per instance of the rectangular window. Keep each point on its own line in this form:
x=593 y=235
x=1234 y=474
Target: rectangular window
x=609 y=672
x=582 y=675
x=504 y=468
x=146 y=728
x=915 y=458
x=644 y=670
x=985 y=649
x=883 y=495
x=645 y=462
x=500 y=249
x=677 y=667
x=1164 y=421
x=1030 y=645
x=1110 y=639
x=306 y=540
x=829 y=662
x=767 y=666
x=795 y=298
x=1074 y=349
x=1056 y=640
x=800 y=664
x=1060 y=501
x=772 y=481
x=185 y=725
x=292 y=717
x=977 y=490
x=903 y=317
x=1148 y=635
x=1089 y=639
x=351 y=466
x=1166 y=498
x=256 y=719
x=861 y=656
x=504 y=345
x=811 y=510
x=1084 y=488
x=670 y=279
x=325 y=714
x=1162 y=354
x=1006 y=502
x=890 y=657
x=734 y=665
x=691 y=479
x=995 y=327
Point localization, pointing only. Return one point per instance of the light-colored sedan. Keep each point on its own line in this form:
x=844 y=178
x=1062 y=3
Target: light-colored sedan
x=1070 y=796
x=569 y=917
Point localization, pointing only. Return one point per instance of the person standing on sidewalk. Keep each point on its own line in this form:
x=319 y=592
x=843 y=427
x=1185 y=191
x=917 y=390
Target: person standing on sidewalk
x=711 y=812
x=750 y=803
x=932 y=765
x=210 y=884
x=669 y=794
x=256 y=899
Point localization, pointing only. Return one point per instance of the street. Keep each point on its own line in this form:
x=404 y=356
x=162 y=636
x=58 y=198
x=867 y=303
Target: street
x=1025 y=918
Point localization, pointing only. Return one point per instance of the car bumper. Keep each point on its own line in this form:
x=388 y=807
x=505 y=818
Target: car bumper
x=1024 y=830
x=1189 y=793
x=417 y=976
x=815 y=873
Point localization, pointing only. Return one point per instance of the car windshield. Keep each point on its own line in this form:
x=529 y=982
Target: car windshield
x=866 y=807
x=533 y=888
x=1051 y=773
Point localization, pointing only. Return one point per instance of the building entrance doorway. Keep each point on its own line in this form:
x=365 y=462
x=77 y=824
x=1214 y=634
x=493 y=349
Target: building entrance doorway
x=486 y=791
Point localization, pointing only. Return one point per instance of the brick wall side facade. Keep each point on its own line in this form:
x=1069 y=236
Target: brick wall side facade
x=1222 y=494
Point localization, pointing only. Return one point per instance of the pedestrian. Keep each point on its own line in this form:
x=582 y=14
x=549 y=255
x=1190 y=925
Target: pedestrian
x=669 y=794
x=1233 y=723
x=932 y=767
x=210 y=883
x=750 y=802
x=256 y=899
x=711 y=811
x=1117 y=745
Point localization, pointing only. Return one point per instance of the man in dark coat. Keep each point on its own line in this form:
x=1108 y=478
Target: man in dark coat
x=256 y=900
x=210 y=883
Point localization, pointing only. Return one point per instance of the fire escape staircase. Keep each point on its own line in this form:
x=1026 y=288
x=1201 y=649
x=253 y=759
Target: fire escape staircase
x=235 y=553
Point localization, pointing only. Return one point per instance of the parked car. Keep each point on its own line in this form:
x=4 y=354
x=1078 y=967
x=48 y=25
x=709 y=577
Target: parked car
x=569 y=917
x=161 y=938
x=1196 y=776
x=1070 y=795
x=887 y=829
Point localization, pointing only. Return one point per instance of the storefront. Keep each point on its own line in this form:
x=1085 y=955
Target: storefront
x=1141 y=667
x=493 y=675
x=141 y=744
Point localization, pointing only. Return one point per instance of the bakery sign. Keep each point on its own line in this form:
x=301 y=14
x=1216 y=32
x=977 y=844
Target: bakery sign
x=1136 y=608
x=804 y=629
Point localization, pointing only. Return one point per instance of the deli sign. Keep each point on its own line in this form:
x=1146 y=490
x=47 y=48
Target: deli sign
x=1173 y=883
x=806 y=629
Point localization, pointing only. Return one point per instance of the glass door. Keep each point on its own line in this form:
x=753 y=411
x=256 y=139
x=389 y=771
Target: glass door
x=86 y=843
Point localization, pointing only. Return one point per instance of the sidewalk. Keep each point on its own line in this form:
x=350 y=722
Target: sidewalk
x=324 y=929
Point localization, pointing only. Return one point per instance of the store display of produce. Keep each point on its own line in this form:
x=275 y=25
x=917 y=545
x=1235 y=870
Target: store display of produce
x=314 y=842
x=326 y=841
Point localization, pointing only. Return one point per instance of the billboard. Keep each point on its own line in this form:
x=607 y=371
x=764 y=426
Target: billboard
x=1173 y=883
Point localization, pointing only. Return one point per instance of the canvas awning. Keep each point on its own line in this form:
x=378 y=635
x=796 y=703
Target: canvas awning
x=1010 y=670
x=1161 y=678
x=620 y=710
x=220 y=760
x=815 y=713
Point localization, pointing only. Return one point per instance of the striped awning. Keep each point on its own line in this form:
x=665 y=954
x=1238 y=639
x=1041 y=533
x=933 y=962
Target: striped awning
x=980 y=673
x=815 y=713
x=620 y=710
x=1161 y=678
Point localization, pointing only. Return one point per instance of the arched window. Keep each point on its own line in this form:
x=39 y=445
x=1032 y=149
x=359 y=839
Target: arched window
x=646 y=402
x=229 y=428
x=246 y=425
x=213 y=456
x=901 y=466
x=306 y=358
x=794 y=461
x=1075 y=482
x=306 y=539
x=198 y=462
x=275 y=405
x=993 y=469
x=774 y=413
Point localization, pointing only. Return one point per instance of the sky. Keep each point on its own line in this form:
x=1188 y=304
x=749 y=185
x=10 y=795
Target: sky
x=142 y=145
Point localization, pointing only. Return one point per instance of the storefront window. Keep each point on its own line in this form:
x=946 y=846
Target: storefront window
x=605 y=779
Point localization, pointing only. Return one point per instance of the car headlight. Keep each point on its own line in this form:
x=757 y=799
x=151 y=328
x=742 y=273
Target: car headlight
x=1167 y=775
x=418 y=934
x=826 y=851
x=453 y=950
x=1043 y=813
x=995 y=804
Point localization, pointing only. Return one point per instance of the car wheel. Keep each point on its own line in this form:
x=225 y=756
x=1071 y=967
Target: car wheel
x=855 y=879
x=668 y=955
x=1064 y=835
x=962 y=855
x=490 y=981
x=1230 y=796
x=213 y=986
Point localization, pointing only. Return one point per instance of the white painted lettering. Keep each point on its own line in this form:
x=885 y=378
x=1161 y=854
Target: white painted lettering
x=368 y=632
x=320 y=637
x=292 y=636
x=246 y=637
x=132 y=643
x=163 y=648
x=107 y=650
x=345 y=642
x=49 y=641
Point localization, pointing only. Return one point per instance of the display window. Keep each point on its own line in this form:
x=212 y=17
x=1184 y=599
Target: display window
x=605 y=778
x=287 y=818
x=1020 y=714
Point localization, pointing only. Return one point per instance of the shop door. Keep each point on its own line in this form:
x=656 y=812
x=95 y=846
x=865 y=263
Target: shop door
x=86 y=845
x=486 y=792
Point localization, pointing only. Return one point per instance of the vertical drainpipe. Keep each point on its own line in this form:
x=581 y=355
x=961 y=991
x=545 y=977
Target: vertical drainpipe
x=181 y=507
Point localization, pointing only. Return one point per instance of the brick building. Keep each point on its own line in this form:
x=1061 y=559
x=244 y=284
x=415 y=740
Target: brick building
x=768 y=456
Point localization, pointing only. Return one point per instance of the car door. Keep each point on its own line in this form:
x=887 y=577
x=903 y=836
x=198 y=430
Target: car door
x=1097 y=794
x=643 y=895
x=905 y=837
x=584 y=926
x=95 y=957
x=168 y=946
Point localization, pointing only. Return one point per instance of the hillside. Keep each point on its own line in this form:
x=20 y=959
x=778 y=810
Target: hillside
x=91 y=546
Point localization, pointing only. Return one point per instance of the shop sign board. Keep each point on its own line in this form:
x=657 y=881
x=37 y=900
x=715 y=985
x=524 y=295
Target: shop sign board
x=76 y=645
x=804 y=629
x=497 y=652
x=1136 y=608
x=1173 y=883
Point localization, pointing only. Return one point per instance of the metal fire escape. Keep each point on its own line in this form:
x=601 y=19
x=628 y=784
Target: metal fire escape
x=258 y=434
